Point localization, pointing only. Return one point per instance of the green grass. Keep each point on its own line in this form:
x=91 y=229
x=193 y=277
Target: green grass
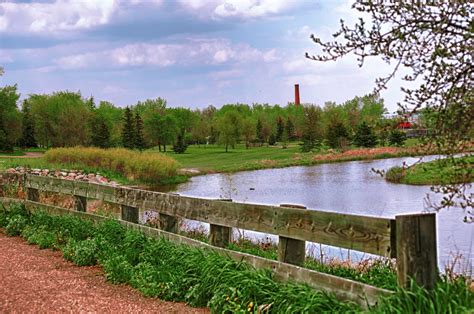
x=159 y=268
x=213 y=158
x=442 y=171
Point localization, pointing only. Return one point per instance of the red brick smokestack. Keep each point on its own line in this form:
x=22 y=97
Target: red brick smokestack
x=297 y=94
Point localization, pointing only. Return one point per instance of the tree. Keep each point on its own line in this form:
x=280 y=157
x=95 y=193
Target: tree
x=229 y=126
x=128 y=129
x=312 y=128
x=138 y=141
x=290 y=130
x=100 y=134
x=280 y=129
x=180 y=145
x=28 y=128
x=248 y=130
x=259 y=131
x=10 y=120
x=337 y=135
x=365 y=136
x=433 y=42
x=396 y=138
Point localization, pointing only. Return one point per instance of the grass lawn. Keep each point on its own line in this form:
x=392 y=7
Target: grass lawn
x=213 y=158
x=442 y=171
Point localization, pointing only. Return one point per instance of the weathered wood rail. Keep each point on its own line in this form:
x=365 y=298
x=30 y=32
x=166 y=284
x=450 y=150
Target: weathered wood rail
x=411 y=239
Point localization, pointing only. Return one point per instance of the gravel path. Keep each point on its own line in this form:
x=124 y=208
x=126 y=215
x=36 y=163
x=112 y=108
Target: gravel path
x=34 y=280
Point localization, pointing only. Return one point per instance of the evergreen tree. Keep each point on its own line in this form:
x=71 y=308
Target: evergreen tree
x=396 y=138
x=280 y=129
x=337 y=135
x=290 y=130
x=365 y=136
x=128 y=129
x=312 y=128
x=28 y=128
x=259 y=131
x=180 y=146
x=138 y=140
x=100 y=133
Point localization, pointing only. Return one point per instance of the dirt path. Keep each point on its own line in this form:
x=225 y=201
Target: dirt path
x=34 y=280
x=26 y=155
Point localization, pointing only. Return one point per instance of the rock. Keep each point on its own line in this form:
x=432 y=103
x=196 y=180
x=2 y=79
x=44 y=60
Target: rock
x=79 y=177
x=71 y=174
x=63 y=174
x=11 y=170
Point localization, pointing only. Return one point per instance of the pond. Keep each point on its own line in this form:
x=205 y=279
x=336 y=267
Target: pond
x=349 y=187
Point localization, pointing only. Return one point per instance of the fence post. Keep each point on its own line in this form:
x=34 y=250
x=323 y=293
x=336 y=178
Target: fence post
x=220 y=235
x=416 y=249
x=290 y=250
x=32 y=194
x=80 y=203
x=168 y=223
x=129 y=213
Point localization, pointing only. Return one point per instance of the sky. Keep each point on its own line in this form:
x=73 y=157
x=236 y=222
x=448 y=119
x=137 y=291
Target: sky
x=193 y=53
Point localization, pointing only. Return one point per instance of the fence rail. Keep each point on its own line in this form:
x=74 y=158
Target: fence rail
x=411 y=239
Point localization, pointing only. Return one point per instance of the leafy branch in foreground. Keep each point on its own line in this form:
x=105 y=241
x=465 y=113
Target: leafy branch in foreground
x=433 y=42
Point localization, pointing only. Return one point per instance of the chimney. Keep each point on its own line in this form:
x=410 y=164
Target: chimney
x=297 y=94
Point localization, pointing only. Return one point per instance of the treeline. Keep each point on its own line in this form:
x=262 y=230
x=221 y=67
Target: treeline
x=65 y=119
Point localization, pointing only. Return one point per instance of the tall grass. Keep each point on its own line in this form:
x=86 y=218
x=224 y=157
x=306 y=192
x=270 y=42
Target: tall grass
x=159 y=268
x=146 y=167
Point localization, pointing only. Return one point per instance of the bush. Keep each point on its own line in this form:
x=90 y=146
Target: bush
x=15 y=225
x=148 y=167
x=397 y=138
x=395 y=174
x=117 y=269
x=365 y=136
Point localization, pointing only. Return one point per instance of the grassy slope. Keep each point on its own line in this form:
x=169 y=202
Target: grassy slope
x=213 y=158
x=443 y=171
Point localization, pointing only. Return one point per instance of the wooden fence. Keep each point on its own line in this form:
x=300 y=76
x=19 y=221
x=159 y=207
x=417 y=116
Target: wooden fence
x=411 y=239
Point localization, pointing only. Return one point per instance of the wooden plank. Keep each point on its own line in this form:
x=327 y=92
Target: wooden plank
x=344 y=289
x=417 y=250
x=362 y=233
x=32 y=194
x=290 y=250
x=80 y=203
x=129 y=213
x=168 y=223
x=220 y=236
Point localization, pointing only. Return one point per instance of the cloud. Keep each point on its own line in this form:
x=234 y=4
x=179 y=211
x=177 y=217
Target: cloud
x=55 y=17
x=242 y=9
x=192 y=52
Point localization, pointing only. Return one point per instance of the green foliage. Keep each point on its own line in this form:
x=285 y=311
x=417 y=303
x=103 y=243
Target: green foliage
x=312 y=130
x=180 y=146
x=15 y=225
x=138 y=140
x=365 y=136
x=337 y=135
x=128 y=129
x=10 y=121
x=82 y=253
x=117 y=269
x=100 y=136
x=396 y=138
x=229 y=127
x=28 y=128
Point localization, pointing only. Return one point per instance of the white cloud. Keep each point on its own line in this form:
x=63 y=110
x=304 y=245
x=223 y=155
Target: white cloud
x=192 y=52
x=244 y=9
x=55 y=17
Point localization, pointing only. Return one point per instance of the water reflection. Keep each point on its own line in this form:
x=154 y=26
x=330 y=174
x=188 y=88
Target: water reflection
x=349 y=187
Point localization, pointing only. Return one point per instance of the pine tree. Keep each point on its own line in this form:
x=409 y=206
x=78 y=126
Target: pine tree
x=280 y=129
x=259 y=131
x=128 y=129
x=180 y=146
x=138 y=140
x=337 y=135
x=365 y=136
x=100 y=133
x=28 y=131
x=290 y=130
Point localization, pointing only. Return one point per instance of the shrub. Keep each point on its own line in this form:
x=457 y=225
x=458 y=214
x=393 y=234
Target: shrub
x=365 y=136
x=397 y=138
x=15 y=225
x=117 y=269
x=395 y=174
x=149 y=167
